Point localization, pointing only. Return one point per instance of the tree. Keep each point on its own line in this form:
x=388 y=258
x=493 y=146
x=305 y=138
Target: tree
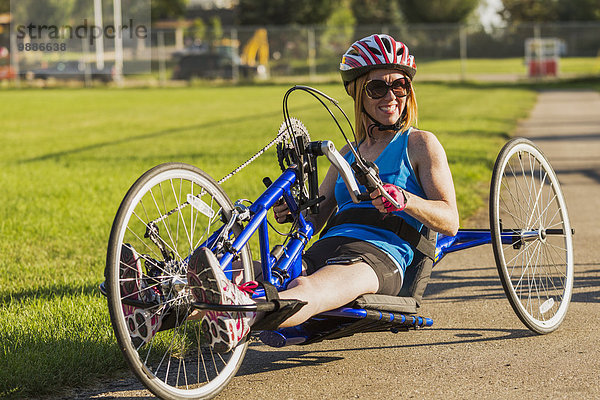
x=550 y=10
x=517 y=11
x=578 y=10
x=4 y=6
x=371 y=12
x=338 y=30
x=197 y=31
x=216 y=29
x=50 y=12
x=168 y=9
x=284 y=12
x=437 y=11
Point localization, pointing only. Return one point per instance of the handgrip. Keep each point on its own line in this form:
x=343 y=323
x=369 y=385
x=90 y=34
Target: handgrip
x=364 y=197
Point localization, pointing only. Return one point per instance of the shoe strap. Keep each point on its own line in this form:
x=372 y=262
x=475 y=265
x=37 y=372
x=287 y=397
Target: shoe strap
x=270 y=290
x=248 y=287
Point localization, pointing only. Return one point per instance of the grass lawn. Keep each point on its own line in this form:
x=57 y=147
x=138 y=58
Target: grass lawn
x=491 y=66
x=69 y=156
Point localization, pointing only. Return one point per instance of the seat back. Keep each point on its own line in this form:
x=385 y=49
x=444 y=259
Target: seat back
x=417 y=273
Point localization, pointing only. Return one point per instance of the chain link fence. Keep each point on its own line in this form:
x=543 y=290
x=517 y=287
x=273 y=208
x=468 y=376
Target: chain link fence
x=442 y=51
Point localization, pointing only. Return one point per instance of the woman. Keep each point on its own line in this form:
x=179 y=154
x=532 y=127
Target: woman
x=353 y=259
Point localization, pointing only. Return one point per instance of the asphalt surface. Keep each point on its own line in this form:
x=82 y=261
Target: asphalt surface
x=477 y=347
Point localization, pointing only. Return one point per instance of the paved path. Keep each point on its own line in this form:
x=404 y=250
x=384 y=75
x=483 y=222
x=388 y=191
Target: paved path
x=477 y=348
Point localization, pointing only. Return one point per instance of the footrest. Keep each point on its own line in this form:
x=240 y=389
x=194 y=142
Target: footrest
x=341 y=323
x=258 y=307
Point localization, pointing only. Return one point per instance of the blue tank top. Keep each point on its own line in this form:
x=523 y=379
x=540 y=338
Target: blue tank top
x=395 y=168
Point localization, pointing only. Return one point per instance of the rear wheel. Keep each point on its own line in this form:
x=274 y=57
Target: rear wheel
x=531 y=236
x=169 y=212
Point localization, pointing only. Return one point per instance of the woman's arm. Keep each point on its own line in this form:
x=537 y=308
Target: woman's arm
x=326 y=207
x=438 y=211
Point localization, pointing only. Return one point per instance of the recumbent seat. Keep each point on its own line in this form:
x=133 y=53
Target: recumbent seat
x=409 y=299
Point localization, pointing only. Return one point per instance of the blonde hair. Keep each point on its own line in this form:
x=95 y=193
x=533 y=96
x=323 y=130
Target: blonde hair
x=356 y=91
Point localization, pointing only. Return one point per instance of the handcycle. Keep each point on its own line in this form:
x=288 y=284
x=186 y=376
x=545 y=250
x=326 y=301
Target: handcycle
x=174 y=209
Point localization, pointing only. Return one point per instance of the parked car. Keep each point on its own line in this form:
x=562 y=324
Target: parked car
x=196 y=48
x=72 y=70
x=211 y=66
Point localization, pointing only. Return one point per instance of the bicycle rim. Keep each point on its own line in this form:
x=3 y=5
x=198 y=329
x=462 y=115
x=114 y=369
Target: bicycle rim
x=175 y=362
x=531 y=236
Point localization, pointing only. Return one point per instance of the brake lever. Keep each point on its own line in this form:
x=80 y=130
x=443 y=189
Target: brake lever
x=367 y=175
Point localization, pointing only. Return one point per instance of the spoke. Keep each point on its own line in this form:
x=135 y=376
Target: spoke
x=182 y=360
x=212 y=356
x=525 y=248
x=515 y=205
x=553 y=265
x=523 y=267
x=145 y=211
x=518 y=188
x=203 y=362
x=193 y=218
x=518 y=221
x=536 y=278
x=159 y=237
x=526 y=195
x=535 y=205
x=209 y=224
x=525 y=264
x=531 y=281
x=174 y=247
x=505 y=183
x=180 y=214
x=143 y=242
x=557 y=247
x=543 y=212
x=177 y=198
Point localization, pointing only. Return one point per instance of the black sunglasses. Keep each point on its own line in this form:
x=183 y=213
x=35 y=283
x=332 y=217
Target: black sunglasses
x=376 y=88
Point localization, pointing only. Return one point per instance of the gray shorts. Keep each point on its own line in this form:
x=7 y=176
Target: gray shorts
x=341 y=249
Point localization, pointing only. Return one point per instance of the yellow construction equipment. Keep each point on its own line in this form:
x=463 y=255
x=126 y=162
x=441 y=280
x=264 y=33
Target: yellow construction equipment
x=257 y=47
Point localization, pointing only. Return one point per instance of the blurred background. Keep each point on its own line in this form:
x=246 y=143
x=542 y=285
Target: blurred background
x=271 y=40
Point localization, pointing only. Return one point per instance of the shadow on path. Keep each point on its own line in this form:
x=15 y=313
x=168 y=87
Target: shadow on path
x=259 y=361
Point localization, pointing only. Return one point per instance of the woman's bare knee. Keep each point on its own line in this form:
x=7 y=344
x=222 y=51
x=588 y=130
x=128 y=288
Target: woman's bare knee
x=302 y=287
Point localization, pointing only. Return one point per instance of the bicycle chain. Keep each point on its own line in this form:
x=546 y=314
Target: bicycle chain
x=297 y=127
x=295 y=124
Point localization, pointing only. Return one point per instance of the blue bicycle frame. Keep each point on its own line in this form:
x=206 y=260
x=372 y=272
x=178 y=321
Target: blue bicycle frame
x=279 y=272
x=288 y=266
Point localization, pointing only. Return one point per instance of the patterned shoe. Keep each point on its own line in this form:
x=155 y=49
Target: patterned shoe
x=209 y=284
x=142 y=323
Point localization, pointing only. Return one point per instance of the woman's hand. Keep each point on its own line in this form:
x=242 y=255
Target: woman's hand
x=383 y=204
x=281 y=211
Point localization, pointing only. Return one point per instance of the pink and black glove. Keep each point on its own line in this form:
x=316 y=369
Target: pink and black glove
x=395 y=193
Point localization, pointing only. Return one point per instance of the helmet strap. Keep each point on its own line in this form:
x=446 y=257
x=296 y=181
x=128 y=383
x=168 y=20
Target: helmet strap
x=394 y=127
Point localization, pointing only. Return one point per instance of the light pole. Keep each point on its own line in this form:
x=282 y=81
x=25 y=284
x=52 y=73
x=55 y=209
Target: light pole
x=118 y=41
x=99 y=40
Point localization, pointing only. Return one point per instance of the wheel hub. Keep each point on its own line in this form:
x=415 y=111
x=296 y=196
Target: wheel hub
x=542 y=235
x=175 y=280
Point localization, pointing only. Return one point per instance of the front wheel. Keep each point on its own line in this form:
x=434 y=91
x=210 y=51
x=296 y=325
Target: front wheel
x=169 y=212
x=531 y=236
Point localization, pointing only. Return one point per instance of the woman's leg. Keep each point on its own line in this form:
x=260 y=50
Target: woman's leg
x=328 y=288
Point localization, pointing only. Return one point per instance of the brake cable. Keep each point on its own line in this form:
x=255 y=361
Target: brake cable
x=317 y=94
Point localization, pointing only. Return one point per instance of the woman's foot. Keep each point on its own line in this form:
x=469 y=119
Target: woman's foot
x=141 y=323
x=209 y=284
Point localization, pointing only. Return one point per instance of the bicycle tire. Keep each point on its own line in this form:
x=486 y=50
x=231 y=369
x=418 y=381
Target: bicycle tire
x=174 y=363
x=535 y=262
